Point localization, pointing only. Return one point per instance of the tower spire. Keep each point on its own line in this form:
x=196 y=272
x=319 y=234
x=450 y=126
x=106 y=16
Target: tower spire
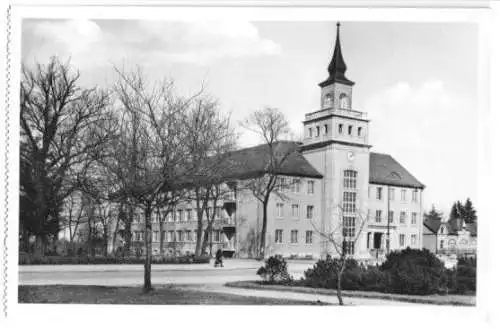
x=337 y=67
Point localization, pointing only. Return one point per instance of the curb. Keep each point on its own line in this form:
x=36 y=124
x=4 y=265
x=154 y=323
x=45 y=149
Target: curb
x=355 y=294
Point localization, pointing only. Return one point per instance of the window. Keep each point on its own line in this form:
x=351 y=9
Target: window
x=402 y=217
x=317 y=131
x=169 y=217
x=378 y=216
x=379 y=193
x=180 y=236
x=310 y=187
x=216 y=235
x=441 y=244
x=401 y=240
x=189 y=236
x=359 y=131
x=403 y=195
x=164 y=236
x=391 y=216
x=369 y=191
x=155 y=218
x=279 y=210
x=281 y=184
x=296 y=185
x=391 y=193
x=349 y=130
x=414 y=196
x=218 y=212
x=328 y=100
x=295 y=210
x=368 y=215
x=294 y=236
x=155 y=236
x=171 y=236
x=350 y=179
x=348 y=247
x=341 y=126
x=189 y=215
x=349 y=202
x=178 y=217
x=343 y=101
x=310 y=212
x=413 y=218
x=278 y=236
x=413 y=240
x=310 y=132
x=309 y=237
x=326 y=129
x=442 y=230
x=349 y=225
x=209 y=213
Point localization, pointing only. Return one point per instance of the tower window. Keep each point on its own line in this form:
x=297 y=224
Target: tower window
x=310 y=132
x=349 y=130
x=359 y=131
x=340 y=128
x=317 y=130
x=326 y=129
x=344 y=101
x=328 y=100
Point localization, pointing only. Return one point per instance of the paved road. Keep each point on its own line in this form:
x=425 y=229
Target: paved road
x=126 y=275
x=201 y=277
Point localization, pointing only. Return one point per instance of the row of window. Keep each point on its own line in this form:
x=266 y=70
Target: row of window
x=402 y=240
x=280 y=211
x=295 y=185
x=340 y=130
x=294 y=236
x=402 y=216
x=452 y=243
x=181 y=215
x=176 y=236
x=391 y=190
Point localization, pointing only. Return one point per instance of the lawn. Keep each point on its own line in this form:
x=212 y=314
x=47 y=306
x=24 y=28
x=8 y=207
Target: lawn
x=162 y=295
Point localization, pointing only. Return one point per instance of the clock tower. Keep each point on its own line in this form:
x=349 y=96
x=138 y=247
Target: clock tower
x=336 y=143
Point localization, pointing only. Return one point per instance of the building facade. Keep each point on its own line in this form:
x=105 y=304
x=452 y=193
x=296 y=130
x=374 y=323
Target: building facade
x=332 y=181
x=450 y=237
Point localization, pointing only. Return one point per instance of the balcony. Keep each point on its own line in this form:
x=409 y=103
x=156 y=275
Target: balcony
x=342 y=112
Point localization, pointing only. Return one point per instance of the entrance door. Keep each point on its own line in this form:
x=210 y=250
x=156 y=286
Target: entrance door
x=377 y=240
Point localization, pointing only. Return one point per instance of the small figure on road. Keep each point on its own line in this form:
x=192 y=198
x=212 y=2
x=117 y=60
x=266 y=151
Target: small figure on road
x=218 y=258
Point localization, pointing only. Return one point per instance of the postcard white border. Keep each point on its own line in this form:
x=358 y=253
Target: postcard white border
x=410 y=317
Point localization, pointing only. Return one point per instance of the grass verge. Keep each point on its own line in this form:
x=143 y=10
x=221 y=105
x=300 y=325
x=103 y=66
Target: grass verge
x=162 y=295
x=456 y=300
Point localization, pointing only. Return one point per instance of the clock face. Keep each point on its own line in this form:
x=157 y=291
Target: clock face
x=351 y=156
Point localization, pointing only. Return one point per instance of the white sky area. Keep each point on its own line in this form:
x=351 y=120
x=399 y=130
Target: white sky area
x=416 y=81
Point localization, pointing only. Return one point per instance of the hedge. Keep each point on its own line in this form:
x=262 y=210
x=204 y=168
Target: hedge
x=75 y=260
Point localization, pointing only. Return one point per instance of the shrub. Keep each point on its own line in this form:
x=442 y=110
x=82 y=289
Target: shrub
x=324 y=274
x=414 y=272
x=465 y=275
x=374 y=279
x=275 y=269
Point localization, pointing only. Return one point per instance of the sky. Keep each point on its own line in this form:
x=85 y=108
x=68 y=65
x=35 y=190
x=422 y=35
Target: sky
x=416 y=81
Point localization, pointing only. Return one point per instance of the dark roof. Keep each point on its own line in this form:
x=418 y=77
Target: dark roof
x=253 y=162
x=385 y=170
x=432 y=224
x=337 y=67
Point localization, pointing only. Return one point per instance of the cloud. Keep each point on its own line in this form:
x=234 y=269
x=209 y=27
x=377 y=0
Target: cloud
x=92 y=43
x=432 y=132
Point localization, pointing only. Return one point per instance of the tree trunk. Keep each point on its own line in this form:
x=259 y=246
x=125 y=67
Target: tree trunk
x=207 y=241
x=339 y=283
x=199 y=229
x=105 y=233
x=115 y=233
x=147 y=264
x=264 y=228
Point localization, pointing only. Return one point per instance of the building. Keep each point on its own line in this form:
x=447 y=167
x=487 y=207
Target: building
x=452 y=237
x=331 y=169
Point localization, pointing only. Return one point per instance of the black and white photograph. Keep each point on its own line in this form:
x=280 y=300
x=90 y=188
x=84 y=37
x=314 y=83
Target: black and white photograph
x=244 y=160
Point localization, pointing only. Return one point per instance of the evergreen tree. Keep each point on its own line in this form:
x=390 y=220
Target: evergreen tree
x=469 y=213
x=433 y=215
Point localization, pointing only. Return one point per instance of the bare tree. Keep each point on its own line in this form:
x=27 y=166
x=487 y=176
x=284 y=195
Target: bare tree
x=209 y=140
x=149 y=155
x=58 y=118
x=343 y=233
x=271 y=126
